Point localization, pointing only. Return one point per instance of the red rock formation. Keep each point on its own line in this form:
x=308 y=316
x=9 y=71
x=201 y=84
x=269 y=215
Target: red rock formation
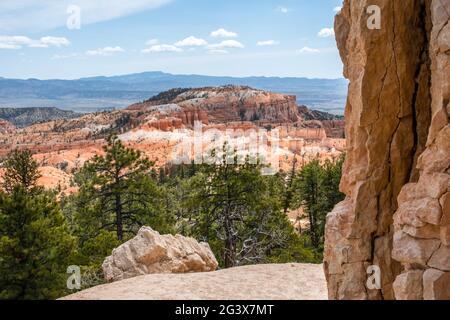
x=190 y=116
x=231 y=103
x=156 y=127
x=165 y=124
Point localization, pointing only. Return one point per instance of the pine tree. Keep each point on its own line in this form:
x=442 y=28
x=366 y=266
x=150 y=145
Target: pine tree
x=288 y=193
x=309 y=188
x=318 y=192
x=117 y=193
x=35 y=244
x=239 y=212
x=21 y=170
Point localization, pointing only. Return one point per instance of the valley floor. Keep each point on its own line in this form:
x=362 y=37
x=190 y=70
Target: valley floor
x=258 y=282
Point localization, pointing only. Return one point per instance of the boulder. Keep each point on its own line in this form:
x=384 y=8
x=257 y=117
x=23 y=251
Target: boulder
x=150 y=253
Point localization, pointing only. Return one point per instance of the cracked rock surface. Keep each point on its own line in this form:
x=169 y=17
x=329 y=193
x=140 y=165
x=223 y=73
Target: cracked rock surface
x=397 y=171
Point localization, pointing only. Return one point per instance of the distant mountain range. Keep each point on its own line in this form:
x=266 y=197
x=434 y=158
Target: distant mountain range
x=103 y=93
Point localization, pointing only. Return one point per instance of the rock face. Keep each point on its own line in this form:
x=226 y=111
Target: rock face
x=228 y=104
x=257 y=282
x=149 y=253
x=237 y=103
x=397 y=170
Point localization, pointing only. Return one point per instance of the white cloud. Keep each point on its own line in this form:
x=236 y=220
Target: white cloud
x=17 y=42
x=283 y=9
x=32 y=15
x=337 y=9
x=222 y=33
x=61 y=57
x=267 y=43
x=326 y=32
x=152 y=42
x=162 y=48
x=8 y=46
x=107 y=51
x=226 y=44
x=54 y=41
x=191 y=42
x=217 y=51
x=308 y=50
x=14 y=42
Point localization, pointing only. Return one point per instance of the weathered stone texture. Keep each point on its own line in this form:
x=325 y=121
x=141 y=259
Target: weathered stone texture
x=397 y=170
x=149 y=253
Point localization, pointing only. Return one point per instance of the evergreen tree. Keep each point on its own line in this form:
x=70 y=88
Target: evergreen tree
x=117 y=193
x=35 y=245
x=309 y=189
x=239 y=212
x=330 y=181
x=289 y=190
x=318 y=193
x=21 y=170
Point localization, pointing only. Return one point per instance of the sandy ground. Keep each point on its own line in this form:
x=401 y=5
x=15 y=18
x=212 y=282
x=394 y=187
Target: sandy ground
x=258 y=282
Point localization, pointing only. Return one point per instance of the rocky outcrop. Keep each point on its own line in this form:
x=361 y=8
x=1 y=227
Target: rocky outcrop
x=257 y=282
x=422 y=219
x=189 y=117
x=396 y=175
x=227 y=104
x=149 y=252
x=165 y=124
x=237 y=108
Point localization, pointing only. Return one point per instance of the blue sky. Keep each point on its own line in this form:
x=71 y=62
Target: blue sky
x=210 y=37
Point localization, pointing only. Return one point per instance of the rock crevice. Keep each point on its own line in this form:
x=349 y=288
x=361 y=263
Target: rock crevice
x=398 y=151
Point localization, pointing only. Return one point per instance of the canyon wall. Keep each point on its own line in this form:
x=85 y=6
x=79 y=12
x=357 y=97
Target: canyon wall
x=396 y=175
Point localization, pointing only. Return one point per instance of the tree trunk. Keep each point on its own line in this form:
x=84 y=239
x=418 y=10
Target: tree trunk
x=119 y=222
x=313 y=214
x=288 y=195
x=230 y=246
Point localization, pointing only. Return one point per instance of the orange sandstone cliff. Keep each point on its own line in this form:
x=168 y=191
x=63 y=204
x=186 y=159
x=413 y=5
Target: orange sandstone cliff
x=396 y=215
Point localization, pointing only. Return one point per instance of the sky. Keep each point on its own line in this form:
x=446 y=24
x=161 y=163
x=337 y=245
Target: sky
x=70 y=39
